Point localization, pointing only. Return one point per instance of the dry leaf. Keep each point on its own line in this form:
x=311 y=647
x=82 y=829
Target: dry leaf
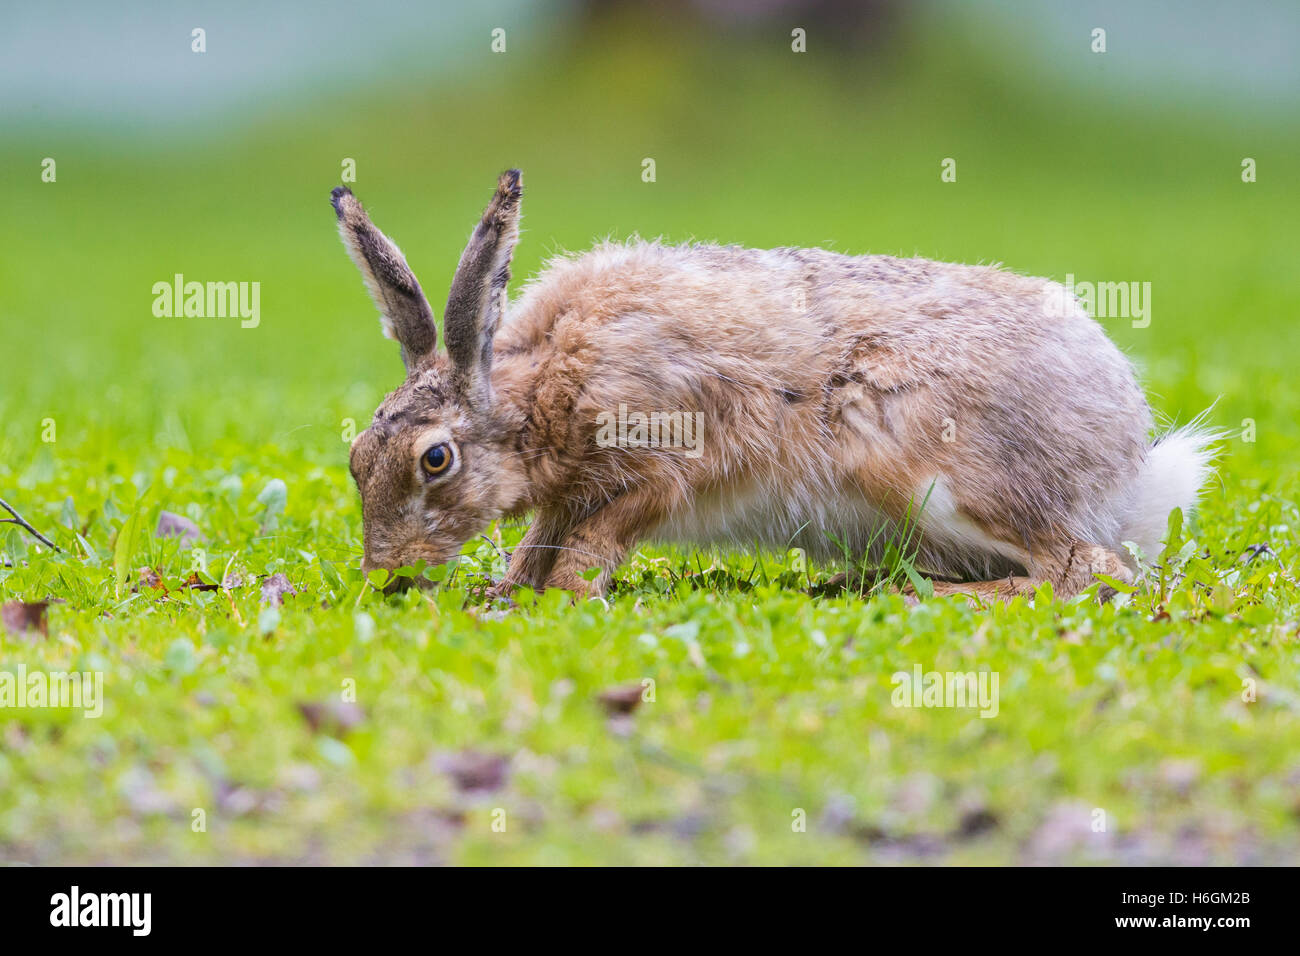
x=177 y=526
x=334 y=717
x=621 y=700
x=474 y=771
x=150 y=578
x=275 y=588
x=24 y=617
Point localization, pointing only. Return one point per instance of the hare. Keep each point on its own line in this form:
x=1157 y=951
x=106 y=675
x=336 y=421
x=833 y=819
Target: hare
x=836 y=400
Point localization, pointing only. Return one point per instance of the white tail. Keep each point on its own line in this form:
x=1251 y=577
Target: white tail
x=1176 y=468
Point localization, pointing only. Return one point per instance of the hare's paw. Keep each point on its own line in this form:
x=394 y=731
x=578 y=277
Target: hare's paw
x=503 y=590
x=580 y=585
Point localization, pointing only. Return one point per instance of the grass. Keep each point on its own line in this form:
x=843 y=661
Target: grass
x=771 y=736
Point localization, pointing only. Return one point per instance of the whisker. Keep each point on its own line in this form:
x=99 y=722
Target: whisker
x=557 y=547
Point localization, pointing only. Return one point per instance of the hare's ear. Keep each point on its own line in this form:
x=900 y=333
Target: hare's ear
x=478 y=291
x=403 y=309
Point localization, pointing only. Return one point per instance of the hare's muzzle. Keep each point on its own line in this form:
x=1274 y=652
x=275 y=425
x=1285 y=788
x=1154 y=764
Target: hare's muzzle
x=399 y=585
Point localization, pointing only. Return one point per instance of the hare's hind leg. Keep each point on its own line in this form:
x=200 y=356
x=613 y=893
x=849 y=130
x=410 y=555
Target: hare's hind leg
x=1081 y=566
x=1069 y=573
x=1004 y=589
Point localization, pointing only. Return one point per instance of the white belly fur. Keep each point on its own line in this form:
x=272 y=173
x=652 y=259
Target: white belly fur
x=807 y=518
x=817 y=520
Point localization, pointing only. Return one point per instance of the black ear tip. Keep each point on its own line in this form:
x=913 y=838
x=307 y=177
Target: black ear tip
x=336 y=197
x=512 y=183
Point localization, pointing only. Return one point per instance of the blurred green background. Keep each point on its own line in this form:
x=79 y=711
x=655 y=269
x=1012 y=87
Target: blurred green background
x=1123 y=166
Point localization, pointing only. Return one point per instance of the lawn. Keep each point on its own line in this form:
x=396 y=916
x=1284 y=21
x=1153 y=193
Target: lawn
x=720 y=707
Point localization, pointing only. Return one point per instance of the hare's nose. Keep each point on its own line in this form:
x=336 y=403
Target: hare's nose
x=395 y=584
x=399 y=585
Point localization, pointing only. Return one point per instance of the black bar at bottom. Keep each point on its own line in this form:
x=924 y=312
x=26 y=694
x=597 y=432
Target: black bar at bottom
x=331 y=906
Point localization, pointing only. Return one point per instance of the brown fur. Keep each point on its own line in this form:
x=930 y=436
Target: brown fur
x=840 y=397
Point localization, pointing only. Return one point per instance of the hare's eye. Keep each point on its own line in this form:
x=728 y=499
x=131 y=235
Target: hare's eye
x=437 y=459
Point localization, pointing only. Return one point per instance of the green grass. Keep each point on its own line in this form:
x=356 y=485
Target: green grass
x=767 y=700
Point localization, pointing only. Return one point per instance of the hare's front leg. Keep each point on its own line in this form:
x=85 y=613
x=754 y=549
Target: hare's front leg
x=533 y=556
x=603 y=540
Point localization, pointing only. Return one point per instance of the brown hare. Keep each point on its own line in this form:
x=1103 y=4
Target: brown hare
x=834 y=399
